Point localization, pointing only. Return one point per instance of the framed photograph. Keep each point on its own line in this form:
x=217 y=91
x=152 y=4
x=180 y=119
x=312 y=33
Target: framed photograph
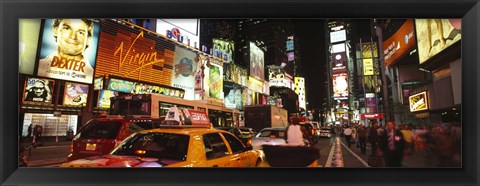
x=157 y=49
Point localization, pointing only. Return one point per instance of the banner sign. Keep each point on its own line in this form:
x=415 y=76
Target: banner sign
x=399 y=43
x=69 y=49
x=128 y=52
x=368 y=67
x=435 y=35
x=371 y=116
x=418 y=102
x=75 y=94
x=186 y=31
x=184 y=69
x=38 y=90
x=142 y=88
x=223 y=49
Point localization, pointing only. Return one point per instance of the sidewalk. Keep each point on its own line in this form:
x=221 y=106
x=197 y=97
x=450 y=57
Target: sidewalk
x=415 y=160
x=47 y=141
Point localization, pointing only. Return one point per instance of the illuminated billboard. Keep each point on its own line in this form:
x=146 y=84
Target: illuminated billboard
x=235 y=73
x=68 y=49
x=29 y=31
x=291 y=56
x=126 y=86
x=38 y=90
x=338 y=48
x=131 y=53
x=340 y=85
x=368 y=69
x=418 y=102
x=98 y=83
x=435 y=35
x=75 y=94
x=255 y=85
x=184 y=69
x=186 y=31
x=339 y=62
x=104 y=98
x=300 y=90
x=290 y=45
x=399 y=44
x=338 y=36
x=278 y=78
x=256 y=62
x=223 y=49
x=367 y=50
x=233 y=98
x=215 y=85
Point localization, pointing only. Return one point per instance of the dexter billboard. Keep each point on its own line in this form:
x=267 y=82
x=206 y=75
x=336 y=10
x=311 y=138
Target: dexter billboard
x=68 y=49
x=400 y=43
x=418 y=102
x=256 y=62
x=435 y=35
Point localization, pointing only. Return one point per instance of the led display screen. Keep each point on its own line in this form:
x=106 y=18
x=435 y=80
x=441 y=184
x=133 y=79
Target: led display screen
x=38 y=90
x=435 y=35
x=256 y=62
x=75 y=94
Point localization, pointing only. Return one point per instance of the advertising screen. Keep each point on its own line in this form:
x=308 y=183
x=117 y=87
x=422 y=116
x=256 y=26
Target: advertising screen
x=75 y=94
x=38 y=90
x=338 y=36
x=255 y=85
x=368 y=67
x=223 y=49
x=29 y=31
x=290 y=45
x=184 y=69
x=128 y=52
x=435 y=35
x=338 y=48
x=367 y=50
x=256 y=62
x=215 y=81
x=98 y=83
x=277 y=78
x=68 y=49
x=418 y=102
x=186 y=31
x=291 y=56
x=235 y=73
x=104 y=98
x=399 y=44
x=339 y=62
x=233 y=98
x=340 y=86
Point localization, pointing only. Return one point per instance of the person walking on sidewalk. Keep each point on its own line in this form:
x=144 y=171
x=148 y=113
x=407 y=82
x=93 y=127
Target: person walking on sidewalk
x=392 y=145
x=348 y=135
x=373 y=138
x=362 y=132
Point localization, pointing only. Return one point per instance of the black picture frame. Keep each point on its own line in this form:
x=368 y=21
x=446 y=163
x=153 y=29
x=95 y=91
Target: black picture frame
x=11 y=11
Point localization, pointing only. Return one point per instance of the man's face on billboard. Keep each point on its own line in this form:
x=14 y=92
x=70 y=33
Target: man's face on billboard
x=39 y=88
x=72 y=36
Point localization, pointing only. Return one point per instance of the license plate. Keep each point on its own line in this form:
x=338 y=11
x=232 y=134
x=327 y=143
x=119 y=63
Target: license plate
x=91 y=146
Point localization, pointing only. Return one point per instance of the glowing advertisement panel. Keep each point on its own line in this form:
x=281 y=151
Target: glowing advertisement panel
x=75 y=94
x=213 y=83
x=98 y=83
x=38 y=90
x=338 y=36
x=256 y=62
x=134 y=54
x=29 y=31
x=104 y=98
x=399 y=44
x=418 y=102
x=368 y=67
x=233 y=98
x=223 y=49
x=339 y=62
x=435 y=35
x=290 y=45
x=68 y=49
x=186 y=31
x=291 y=56
x=340 y=86
x=184 y=69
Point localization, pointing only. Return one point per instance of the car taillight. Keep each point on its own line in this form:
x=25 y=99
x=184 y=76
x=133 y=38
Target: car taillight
x=71 y=148
x=249 y=142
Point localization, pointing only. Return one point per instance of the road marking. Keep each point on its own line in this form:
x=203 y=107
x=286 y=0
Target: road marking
x=330 y=156
x=49 y=147
x=356 y=156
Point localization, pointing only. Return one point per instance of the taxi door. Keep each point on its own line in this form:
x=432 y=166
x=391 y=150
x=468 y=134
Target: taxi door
x=240 y=155
x=216 y=151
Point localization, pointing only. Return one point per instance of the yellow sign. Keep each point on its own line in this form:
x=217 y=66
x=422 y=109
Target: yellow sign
x=368 y=67
x=418 y=102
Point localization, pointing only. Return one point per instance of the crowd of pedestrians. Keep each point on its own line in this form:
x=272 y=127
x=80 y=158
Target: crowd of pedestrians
x=439 y=145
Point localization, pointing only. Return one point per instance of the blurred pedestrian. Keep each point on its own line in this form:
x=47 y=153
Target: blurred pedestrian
x=29 y=131
x=348 y=135
x=392 y=145
x=362 y=133
x=408 y=136
x=373 y=138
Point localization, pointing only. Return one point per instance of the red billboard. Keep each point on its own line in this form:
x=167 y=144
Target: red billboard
x=400 y=43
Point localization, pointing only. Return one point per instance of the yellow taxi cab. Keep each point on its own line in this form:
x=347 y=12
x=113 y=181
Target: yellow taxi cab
x=186 y=139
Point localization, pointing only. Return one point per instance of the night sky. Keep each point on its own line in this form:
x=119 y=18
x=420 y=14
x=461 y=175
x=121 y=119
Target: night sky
x=311 y=35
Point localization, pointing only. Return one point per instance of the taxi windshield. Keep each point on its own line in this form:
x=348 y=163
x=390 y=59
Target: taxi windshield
x=155 y=145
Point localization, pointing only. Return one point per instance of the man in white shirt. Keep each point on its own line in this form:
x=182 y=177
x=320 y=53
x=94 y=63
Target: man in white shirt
x=295 y=133
x=348 y=135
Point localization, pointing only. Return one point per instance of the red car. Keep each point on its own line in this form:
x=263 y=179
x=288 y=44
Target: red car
x=100 y=136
